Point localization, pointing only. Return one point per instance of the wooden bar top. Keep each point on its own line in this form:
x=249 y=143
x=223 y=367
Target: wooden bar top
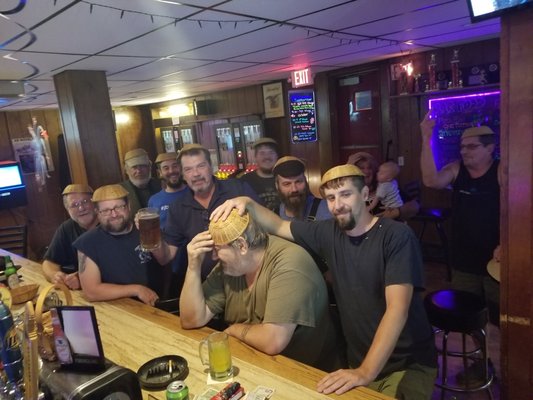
x=133 y=333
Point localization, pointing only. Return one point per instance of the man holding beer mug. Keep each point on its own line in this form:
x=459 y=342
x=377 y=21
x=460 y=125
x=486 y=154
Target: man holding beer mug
x=112 y=264
x=269 y=290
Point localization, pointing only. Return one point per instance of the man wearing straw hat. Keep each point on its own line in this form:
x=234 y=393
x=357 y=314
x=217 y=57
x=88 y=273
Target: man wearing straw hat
x=60 y=263
x=112 y=264
x=268 y=289
x=475 y=225
x=376 y=267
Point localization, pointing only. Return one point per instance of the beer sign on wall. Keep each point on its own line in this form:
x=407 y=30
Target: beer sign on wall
x=302 y=115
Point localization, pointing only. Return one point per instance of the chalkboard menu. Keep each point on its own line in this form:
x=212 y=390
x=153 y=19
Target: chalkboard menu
x=454 y=115
x=302 y=116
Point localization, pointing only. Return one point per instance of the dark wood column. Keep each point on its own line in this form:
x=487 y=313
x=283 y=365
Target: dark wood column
x=87 y=118
x=517 y=205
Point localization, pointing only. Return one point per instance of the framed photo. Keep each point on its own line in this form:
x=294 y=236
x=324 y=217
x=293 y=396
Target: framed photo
x=273 y=100
x=26 y=154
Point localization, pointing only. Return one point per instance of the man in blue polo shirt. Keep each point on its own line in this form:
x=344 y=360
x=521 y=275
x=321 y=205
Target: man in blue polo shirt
x=189 y=214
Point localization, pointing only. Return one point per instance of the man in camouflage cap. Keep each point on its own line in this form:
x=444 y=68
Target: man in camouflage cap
x=60 y=263
x=112 y=264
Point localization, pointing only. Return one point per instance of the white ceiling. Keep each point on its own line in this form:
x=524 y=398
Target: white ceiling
x=155 y=50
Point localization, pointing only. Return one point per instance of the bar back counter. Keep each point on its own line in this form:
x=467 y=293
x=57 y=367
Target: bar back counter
x=133 y=333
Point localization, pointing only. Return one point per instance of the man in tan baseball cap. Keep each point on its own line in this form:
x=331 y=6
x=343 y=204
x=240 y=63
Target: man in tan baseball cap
x=60 y=263
x=140 y=184
x=475 y=225
x=376 y=268
x=112 y=263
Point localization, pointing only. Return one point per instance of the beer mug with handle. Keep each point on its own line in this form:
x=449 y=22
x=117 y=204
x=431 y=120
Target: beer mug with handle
x=149 y=229
x=214 y=352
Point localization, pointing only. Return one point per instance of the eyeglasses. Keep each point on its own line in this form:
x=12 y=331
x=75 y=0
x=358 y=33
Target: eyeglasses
x=107 y=211
x=470 y=146
x=78 y=204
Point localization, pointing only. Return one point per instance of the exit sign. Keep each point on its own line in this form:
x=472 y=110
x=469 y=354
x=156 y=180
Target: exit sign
x=301 y=77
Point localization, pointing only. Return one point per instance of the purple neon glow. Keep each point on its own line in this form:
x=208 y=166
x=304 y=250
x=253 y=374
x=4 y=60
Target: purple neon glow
x=463 y=97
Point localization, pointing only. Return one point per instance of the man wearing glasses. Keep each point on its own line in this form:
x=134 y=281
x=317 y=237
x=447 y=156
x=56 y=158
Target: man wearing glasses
x=476 y=208
x=60 y=263
x=112 y=264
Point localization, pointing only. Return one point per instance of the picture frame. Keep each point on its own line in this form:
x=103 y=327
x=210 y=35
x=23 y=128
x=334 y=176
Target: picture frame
x=273 y=100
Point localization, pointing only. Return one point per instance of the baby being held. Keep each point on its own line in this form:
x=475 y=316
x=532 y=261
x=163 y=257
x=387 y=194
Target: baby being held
x=387 y=191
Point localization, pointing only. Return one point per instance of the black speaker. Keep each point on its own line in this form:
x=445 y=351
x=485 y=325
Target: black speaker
x=205 y=107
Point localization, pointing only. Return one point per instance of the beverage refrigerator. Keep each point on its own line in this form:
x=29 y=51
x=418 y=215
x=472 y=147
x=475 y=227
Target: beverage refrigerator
x=177 y=136
x=235 y=147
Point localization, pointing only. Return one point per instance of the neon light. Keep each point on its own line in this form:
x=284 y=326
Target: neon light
x=464 y=96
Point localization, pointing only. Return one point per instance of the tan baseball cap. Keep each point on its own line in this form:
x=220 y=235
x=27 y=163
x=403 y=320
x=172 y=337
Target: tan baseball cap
x=265 y=140
x=224 y=232
x=136 y=157
x=77 y=188
x=340 y=171
x=288 y=166
x=109 y=192
x=166 y=157
x=477 y=131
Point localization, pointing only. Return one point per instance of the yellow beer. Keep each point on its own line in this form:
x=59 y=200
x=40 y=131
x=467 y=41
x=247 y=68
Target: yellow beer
x=218 y=355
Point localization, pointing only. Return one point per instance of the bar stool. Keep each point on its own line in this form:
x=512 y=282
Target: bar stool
x=465 y=313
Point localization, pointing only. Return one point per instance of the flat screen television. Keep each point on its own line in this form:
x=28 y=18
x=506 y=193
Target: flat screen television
x=12 y=187
x=484 y=9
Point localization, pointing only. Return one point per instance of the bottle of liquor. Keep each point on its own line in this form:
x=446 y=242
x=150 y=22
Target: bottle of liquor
x=456 y=74
x=10 y=352
x=12 y=277
x=63 y=352
x=432 y=71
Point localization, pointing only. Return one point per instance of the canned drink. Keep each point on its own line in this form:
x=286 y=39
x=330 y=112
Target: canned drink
x=177 y=390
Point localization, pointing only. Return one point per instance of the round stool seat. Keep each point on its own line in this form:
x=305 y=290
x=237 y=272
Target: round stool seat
x=456 y=311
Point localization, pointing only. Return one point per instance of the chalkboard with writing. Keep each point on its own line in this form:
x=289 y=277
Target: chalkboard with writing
x=302 y=116
x=455 y=114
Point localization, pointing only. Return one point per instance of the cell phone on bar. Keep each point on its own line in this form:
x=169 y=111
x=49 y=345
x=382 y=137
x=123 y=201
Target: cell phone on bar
x=81 y=329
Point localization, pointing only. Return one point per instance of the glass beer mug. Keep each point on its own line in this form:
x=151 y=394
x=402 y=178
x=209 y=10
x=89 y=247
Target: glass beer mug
x=149 y=229
x=214 y=352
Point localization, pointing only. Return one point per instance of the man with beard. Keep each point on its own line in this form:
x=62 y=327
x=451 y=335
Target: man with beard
x=60 y=263
x=140 y=184
x=268 y=290
x=112 y=264
x=169 y=172
x=262 y=179
x=297 y=202
x=189 y=214
x=376 y=267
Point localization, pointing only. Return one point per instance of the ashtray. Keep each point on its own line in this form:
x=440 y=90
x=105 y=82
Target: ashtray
x=157 y=373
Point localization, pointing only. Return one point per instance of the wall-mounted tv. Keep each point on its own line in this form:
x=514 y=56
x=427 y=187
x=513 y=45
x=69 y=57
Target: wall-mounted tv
x=12 y=187
x=484 y=9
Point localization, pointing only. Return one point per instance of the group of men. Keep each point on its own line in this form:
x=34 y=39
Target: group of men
x=239 y=263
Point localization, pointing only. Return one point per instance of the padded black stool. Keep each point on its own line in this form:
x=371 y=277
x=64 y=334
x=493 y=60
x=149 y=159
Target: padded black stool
x=464 y=313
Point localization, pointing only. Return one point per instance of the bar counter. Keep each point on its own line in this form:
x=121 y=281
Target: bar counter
x=133 y=333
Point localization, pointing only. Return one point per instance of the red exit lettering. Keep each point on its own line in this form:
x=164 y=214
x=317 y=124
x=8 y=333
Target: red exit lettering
x=301 y=78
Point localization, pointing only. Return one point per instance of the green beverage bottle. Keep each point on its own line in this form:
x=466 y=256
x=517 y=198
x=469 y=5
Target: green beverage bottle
x=12 y=277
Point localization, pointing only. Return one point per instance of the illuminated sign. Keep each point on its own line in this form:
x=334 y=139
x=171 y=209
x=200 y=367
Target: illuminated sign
x=301 y=77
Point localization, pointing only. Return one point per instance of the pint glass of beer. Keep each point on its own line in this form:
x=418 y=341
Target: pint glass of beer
x=149 y=229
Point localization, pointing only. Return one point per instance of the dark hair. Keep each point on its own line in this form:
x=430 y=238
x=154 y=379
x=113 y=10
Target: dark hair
x=358 y=182
x=194 y=152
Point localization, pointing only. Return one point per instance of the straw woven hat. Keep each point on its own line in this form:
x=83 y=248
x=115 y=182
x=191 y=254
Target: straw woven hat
x=340 y=171
x=224 y=232
x=77 y=188
x=109 y=192
x=136 y=157
x=477 y=131
x=288 y=166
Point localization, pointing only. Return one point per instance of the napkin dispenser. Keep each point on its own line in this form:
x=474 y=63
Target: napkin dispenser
x=112 y=383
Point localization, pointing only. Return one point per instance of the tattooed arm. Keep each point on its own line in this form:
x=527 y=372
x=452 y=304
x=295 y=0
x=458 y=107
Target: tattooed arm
x=95 y=290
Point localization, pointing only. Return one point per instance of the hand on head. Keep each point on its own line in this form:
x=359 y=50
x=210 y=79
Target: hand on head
x=222 y=212
x=198 y=247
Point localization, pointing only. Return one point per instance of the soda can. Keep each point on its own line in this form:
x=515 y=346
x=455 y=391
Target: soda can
x=177 y=390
